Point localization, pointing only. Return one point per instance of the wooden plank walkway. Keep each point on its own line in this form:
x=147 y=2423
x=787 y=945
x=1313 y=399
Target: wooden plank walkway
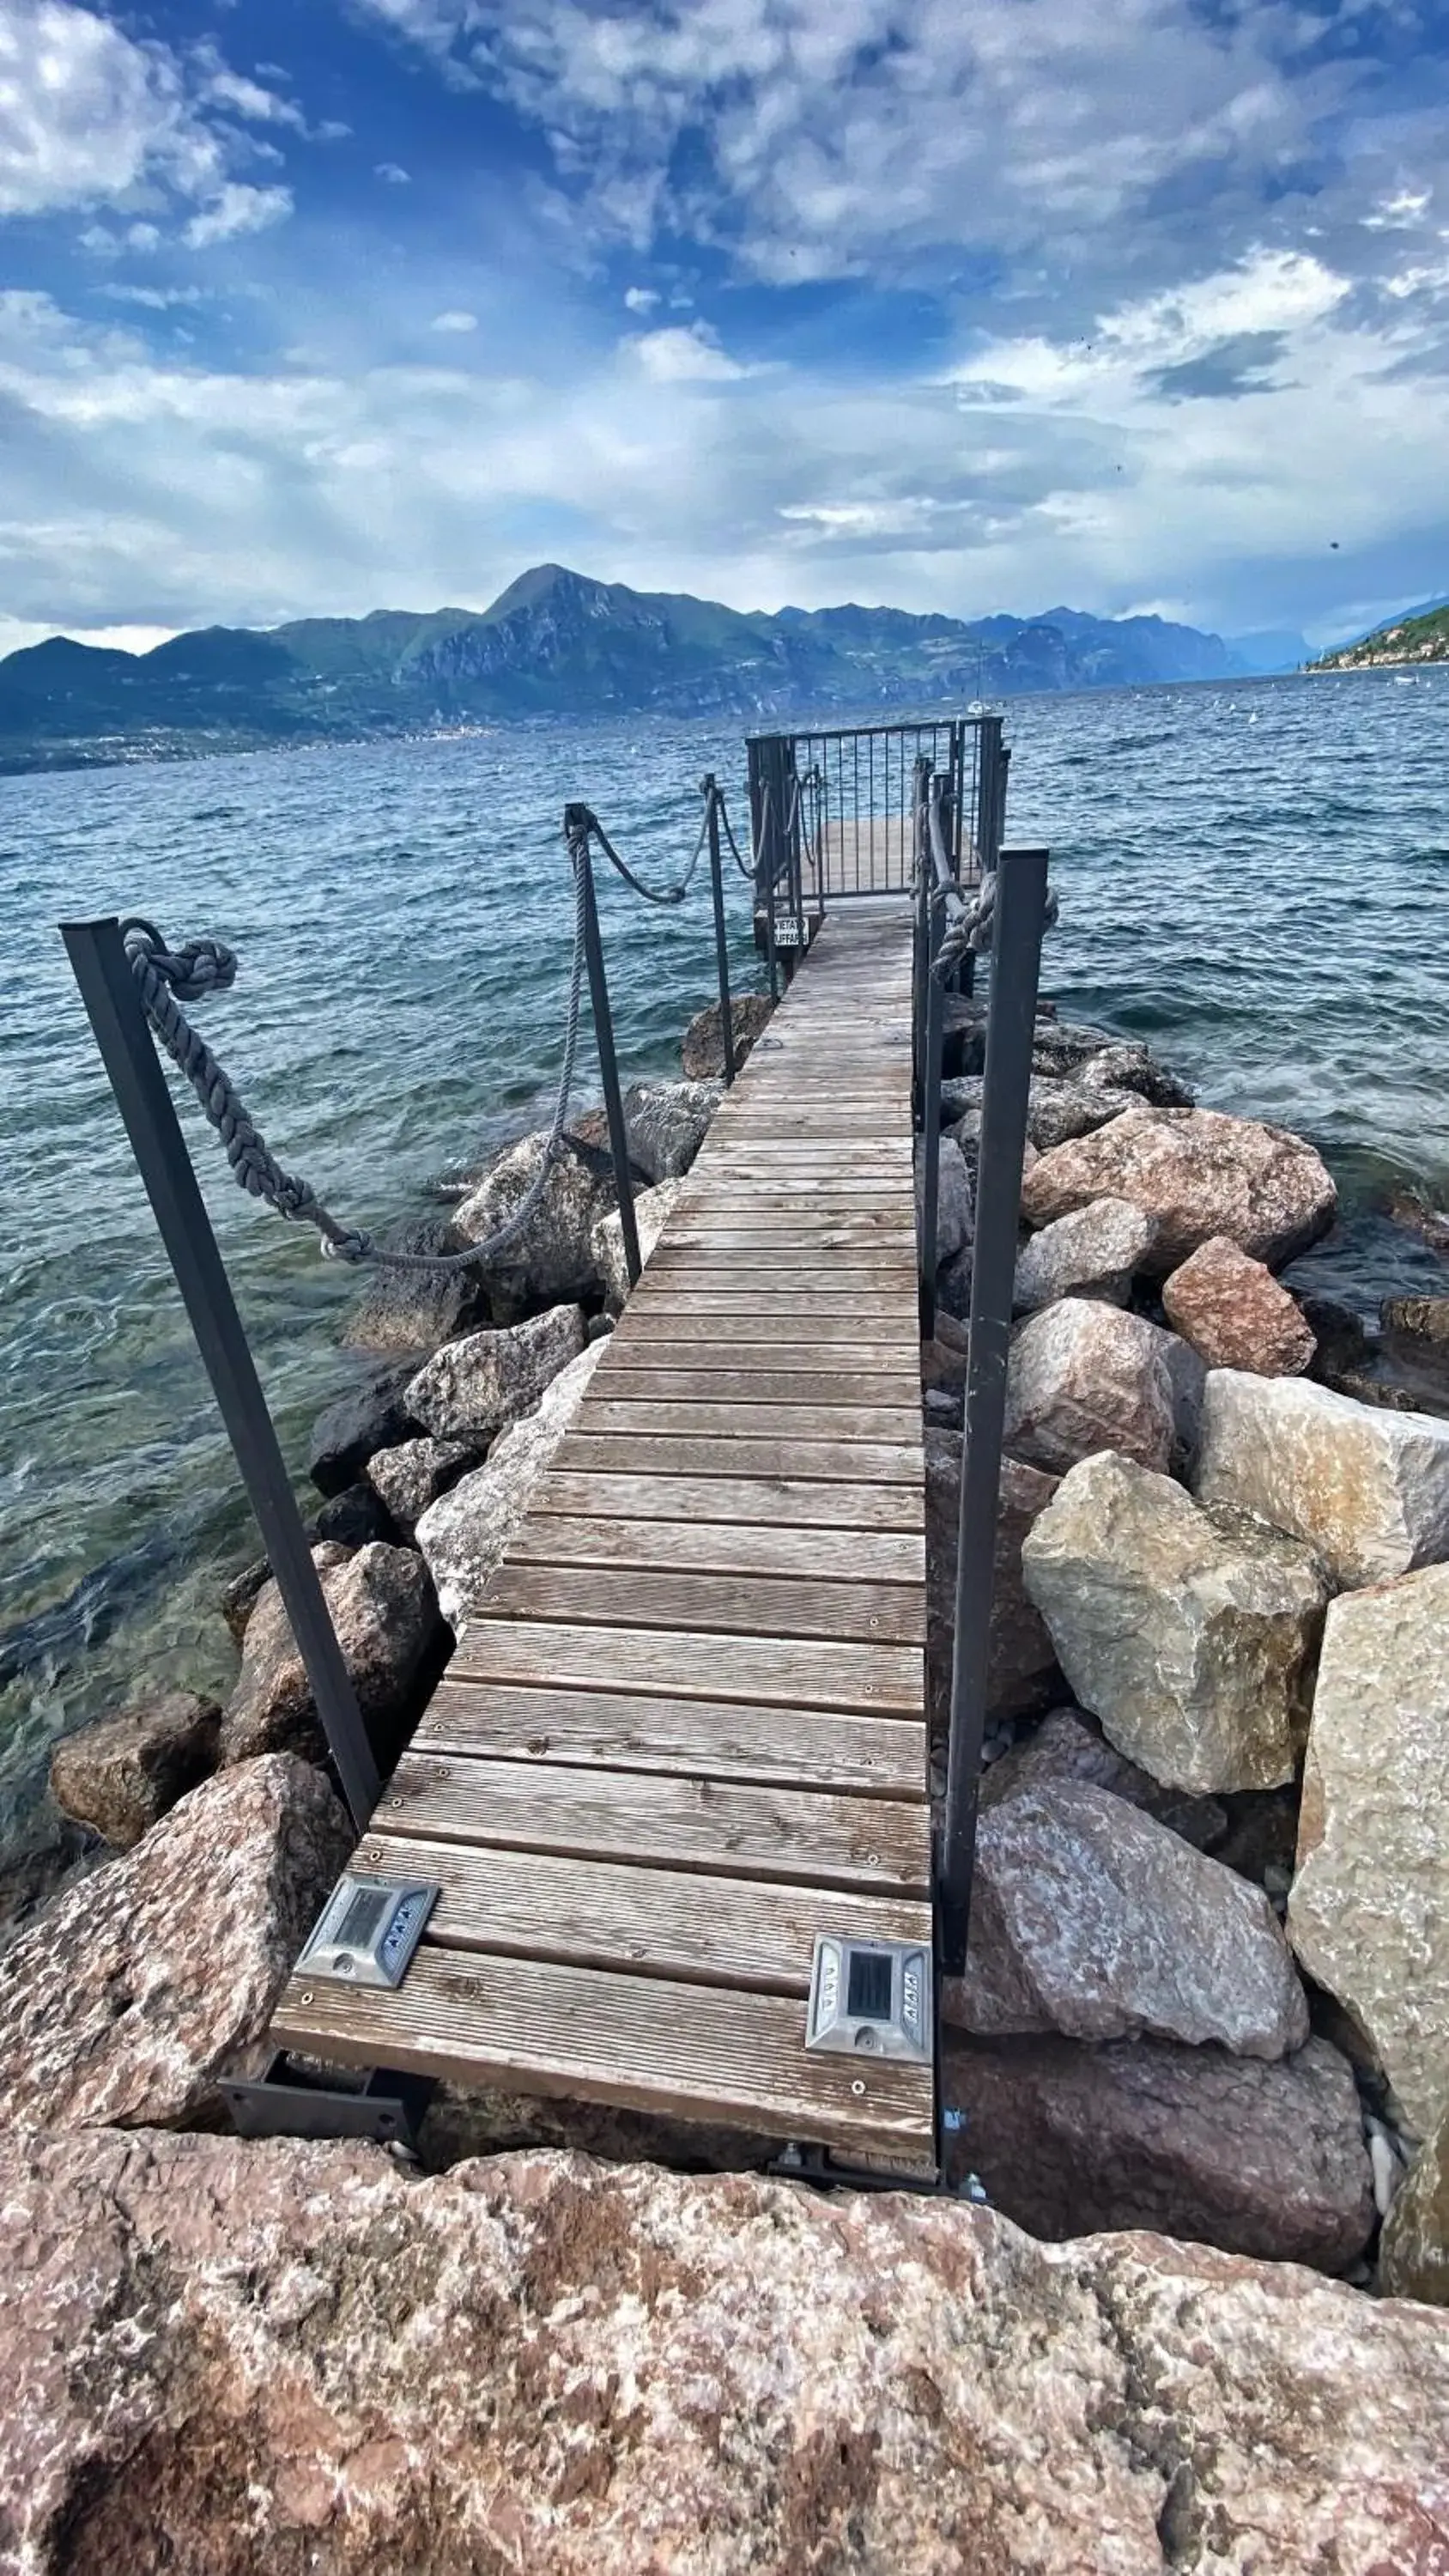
x=685 y=1733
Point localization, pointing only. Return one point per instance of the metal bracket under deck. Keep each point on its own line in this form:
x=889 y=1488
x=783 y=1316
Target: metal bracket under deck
x=288 y=2101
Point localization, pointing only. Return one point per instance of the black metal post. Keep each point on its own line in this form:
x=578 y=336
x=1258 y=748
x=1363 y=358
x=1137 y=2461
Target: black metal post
x=1021 y=891
x=988 y=802
x=922 y=859
x=935 y=1013
x=721 y=939
x=108 y=990
x=576 y=832
x=767 y=869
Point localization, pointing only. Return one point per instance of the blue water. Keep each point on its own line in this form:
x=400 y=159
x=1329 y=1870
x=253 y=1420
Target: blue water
x=1255 y=878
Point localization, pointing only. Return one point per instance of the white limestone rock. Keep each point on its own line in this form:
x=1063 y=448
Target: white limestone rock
x=651 y=1213
x=1190 y=1633
x=667 y=1123
x=1368 y=1913
x=472 y=1387
x=1366 y=1488
x=464 y=1534
x=1091 y=1253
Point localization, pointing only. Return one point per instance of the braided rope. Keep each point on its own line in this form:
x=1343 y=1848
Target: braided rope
x=651 y=894
x=167 y=977
x=747 y=869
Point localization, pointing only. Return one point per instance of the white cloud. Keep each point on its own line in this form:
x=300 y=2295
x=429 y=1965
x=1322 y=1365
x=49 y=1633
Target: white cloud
x=641 y=299
x=823 y=137
x=454 y=321
x=683 y=354
x=393 y=174
x=149 y=489
x=91 y=117
x=237 y=209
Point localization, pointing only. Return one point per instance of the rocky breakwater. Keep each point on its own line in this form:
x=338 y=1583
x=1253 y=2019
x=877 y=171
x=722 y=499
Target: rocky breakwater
x=168 y=1963
x=225 y=2356
x=1208 y=1978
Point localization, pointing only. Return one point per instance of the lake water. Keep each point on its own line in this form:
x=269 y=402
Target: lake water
x=1252 y=877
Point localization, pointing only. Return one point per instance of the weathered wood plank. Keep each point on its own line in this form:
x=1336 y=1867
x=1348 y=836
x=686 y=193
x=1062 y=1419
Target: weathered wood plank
x=824 y=1390
x=750 y=1933
x=857 y=1462
x=844 y=1422
x=800 y=1672
x=722 y=1547
x=643 y=1350
x=694 y=2052
x=762 y=1502
x=874 y=1757
x=752 y=1603
x=721 y=1827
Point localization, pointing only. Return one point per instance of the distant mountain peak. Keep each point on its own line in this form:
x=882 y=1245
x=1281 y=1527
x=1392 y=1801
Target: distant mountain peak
x=557 y=642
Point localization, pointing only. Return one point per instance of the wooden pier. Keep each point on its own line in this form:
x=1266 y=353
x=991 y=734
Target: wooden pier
x=684 y=1735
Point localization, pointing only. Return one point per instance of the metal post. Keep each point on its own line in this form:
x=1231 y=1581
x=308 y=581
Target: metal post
x=721 y=940
x=931 y=1116
x=767 y=869
x=108 y=990
x=1015 y=966
x=922 y=861
x=576 y=832
x=988 y=805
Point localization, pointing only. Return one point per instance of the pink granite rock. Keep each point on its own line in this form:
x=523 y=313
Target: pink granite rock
x=293 y=2360
x=1233 y=1311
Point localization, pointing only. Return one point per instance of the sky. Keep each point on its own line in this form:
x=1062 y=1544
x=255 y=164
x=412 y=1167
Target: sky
x=319 y=306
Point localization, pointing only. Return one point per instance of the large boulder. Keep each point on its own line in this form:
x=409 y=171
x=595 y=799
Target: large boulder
x=1369 y=1909
x=464 y=1534
x=701 y=1052
x=1366 y=1489
x=384 y=1610
x=651 y=1214
x=157 y=1974
x=119 y=1776
x=1190 y=1633
x=1129 y=1065
x=1414 y=2247
x=224 y=2359
x=407 y=1311
x=667 y=1123
x=1199 y=1174
x=1235 y=1314
x=233 y=2360
x=548 y=1262
x=1023 y=1667
x=1091 y=1253
x=1069 y=1745
x=1259 y=2158
x=1056 y=1108
x=371 y=1416
x=954 y=1205
x=469 y=1389
x=1090 y=1919
x=1084 y=1376
x=408 y=1478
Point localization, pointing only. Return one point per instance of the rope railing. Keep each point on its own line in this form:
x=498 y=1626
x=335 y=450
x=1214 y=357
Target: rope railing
x=594 y=830
x=165 y=977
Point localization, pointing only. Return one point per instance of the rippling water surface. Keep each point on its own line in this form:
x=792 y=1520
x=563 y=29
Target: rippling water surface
x=1254 y=878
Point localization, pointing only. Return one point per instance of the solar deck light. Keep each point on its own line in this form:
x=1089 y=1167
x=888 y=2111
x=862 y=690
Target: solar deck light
x=368 y=1930
x=871 y=1999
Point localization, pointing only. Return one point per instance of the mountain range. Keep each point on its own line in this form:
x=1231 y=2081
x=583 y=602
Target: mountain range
x=556 y=643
